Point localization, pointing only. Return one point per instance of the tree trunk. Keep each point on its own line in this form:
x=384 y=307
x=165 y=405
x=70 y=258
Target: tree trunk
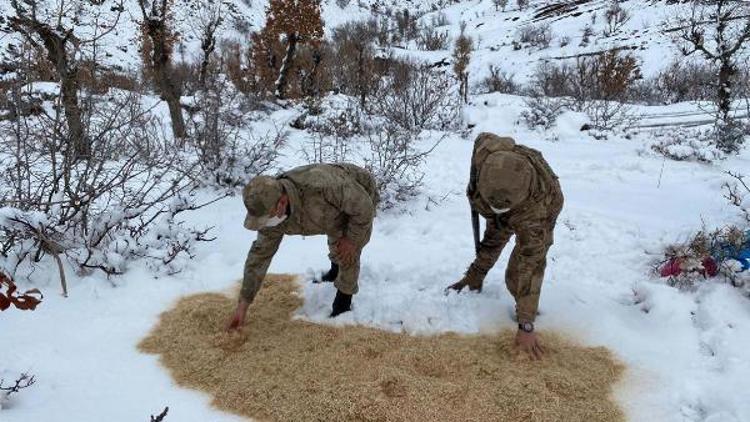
x=208 y=45
x=169 y=90
x=286 y=64
x=724 y=95
x=78 y=146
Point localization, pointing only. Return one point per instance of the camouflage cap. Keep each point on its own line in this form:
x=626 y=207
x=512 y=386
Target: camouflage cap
x=505 y=180
x=260 y=196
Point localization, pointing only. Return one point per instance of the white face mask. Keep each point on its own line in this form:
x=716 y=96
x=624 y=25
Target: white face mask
x=274 y=221
x=499 y=211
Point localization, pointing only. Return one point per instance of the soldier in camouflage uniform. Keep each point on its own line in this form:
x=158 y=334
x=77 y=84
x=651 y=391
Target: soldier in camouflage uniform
x=338 y=200
x=516 y=191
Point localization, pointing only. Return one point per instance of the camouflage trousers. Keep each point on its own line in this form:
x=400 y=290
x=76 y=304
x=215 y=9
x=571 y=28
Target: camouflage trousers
x=347 y=280
x=528 y=261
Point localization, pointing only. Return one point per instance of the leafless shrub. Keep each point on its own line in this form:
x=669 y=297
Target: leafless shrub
x=431 y=39
x=406 y=27
x=564 y=41
x=119 y=205
x=415 y=97
x=738 y=194
x=338 y=119
x=499 y=80
x=536 y=36
x=522 y=4
x=542 y=111
x=597 y=85
x=396 y=163
x=616 y=18
x=586 y=36
x=685 y=144
x=228 y=152
x=681 y=80
x=500 y=4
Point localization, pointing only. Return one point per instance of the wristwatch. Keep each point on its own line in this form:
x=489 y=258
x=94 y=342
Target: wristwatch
x=527 y=327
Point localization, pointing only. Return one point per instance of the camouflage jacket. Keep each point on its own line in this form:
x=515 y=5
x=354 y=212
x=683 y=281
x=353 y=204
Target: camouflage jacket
x=332 y=199
x=544 y=182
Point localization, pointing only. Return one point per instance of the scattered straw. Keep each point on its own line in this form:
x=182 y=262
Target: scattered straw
x=289 y=370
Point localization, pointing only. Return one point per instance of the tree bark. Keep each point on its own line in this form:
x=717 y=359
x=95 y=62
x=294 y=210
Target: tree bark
x=168 y=88
x=286 y=64
x=78 y=146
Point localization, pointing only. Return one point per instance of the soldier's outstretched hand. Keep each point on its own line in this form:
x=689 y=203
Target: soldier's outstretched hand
x=238 y=318
x=460 y=284
x=346 y=250
x=529 y=343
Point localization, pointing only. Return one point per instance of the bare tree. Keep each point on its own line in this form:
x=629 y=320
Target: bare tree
x=461 y=58
x=157 y=17
x=719 y=31
x=52 y=28
x=209 y=18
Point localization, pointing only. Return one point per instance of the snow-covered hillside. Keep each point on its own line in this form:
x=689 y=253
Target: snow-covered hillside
x=686 y=351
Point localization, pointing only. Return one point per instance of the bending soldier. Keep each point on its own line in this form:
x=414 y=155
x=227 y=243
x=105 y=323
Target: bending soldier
x=516 y=191
x=338 y=200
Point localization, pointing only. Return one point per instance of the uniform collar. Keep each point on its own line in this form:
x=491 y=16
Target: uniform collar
x=294 y=199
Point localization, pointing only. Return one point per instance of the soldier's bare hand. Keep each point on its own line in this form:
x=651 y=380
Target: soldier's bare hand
x=529 y=343
x=460 y=284
x=238 y=318
x=346 y=250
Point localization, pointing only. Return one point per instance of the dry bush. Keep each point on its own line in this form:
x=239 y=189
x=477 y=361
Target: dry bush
x=522 y=4
x=228 y=151
x=416 y=97
x=542 y=111
x=683 y=144
x=396 y=163
x=352 y=62
x=355 y=373
x=406 y=27
x=461 y=58
x=598 y=85
x=431 y=39
x=616 y=18
x=500 y=4
x=586 y=35
x=500 y=81
x=119 y=205
x=537 y=36
x=681 y=80
x=738 y=194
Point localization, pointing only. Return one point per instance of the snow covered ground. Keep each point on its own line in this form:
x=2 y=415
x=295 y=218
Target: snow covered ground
x=686 y=352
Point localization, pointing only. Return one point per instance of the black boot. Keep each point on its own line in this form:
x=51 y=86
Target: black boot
x=342 y=303
x=332 y=273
